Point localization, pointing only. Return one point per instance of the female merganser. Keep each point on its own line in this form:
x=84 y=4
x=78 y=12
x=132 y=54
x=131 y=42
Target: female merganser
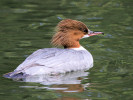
x=55 y=60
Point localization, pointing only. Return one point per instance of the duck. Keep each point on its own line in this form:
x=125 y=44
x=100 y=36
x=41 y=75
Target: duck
x=53 y=61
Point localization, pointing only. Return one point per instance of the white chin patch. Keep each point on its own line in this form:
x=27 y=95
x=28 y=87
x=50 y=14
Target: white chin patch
x=85 y=36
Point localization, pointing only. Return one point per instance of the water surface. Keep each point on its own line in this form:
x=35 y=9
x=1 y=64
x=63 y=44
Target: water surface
x=28 y=25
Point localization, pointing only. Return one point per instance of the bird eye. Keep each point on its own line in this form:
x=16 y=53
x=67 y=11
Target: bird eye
x=85 y=30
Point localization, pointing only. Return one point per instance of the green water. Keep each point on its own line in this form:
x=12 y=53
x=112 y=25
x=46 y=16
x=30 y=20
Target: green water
x=28 y=25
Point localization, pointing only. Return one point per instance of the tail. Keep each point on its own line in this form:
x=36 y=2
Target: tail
x=15 y=75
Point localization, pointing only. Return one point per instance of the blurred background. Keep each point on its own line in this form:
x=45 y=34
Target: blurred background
x=28 y=25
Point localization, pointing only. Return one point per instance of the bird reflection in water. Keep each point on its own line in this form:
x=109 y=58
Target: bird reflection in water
x=68 y=82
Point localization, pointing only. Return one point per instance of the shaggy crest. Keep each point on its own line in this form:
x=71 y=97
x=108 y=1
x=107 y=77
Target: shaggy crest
x=65 y=31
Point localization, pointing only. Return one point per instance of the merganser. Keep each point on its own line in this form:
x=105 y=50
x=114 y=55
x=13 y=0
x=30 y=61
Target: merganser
x=53 y=61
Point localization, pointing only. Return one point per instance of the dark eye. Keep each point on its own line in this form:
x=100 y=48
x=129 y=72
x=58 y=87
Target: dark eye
x=85 y=30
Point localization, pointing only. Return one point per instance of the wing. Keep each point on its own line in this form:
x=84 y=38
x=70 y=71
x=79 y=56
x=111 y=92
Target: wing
x=58 y=60
x=36 y=56
x=62 y=59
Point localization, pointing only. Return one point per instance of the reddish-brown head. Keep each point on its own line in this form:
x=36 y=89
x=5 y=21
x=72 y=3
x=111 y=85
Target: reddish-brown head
x=69 y=32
